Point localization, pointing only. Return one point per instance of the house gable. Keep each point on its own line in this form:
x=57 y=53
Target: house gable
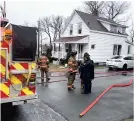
x=118 y=30
x=74 y=21
x=101 y=24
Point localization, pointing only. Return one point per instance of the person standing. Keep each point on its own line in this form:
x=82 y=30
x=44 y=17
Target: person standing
x=72 y=70
x=80 y=69
x=87 y=73
x=43 y=65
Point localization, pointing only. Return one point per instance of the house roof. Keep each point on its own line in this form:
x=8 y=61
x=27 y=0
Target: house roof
x=93 y=22
x=69 y=39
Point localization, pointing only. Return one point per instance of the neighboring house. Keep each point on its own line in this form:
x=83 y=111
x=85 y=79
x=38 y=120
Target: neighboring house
x=102 y=38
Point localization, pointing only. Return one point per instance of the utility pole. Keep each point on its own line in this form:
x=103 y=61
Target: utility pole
x=3 y=10
x=38 y=38
x=4 y=16
x=41 y=43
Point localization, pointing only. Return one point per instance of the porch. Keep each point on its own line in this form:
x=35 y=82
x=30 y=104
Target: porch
x=67 y=44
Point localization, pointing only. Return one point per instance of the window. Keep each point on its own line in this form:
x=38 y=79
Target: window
x=113 y=28
x=59 y=48
x=71 y=29
x=117 y=49
x=128 y=58
x=93 y=46
x=117 y=57
x=129 y=47
x=54 y=47
x=79 y=28
x=24 y=50
x=123 y=30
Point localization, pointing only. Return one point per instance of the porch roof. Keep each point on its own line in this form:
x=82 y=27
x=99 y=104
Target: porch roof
x=74 y=39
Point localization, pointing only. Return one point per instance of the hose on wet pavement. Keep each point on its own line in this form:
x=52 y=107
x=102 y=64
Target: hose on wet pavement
x=112 y=74
x=101 y=95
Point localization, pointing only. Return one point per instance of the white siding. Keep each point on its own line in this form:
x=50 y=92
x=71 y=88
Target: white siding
x=75 y=21
x=104 y=46
x=85 y=48
x=131 y=48
x=106 y=25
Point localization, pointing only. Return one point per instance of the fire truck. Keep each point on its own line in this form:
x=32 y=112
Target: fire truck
x=17 y=63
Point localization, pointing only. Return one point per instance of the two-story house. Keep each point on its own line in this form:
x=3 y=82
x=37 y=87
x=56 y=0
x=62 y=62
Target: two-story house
x=102 y=38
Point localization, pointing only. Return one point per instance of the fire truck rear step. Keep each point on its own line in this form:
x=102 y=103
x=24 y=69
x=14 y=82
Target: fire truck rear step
x=19 y=99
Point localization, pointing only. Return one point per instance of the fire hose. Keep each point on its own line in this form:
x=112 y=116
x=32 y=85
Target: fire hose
x=102 y=94
x=113 y=74
x=27 y=81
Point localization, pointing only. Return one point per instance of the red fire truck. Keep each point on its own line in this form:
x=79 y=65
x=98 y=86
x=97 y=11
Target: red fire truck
x=17 y=63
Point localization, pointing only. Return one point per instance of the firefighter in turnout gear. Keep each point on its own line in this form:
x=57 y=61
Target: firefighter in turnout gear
x=72 y=70
x=43 y=65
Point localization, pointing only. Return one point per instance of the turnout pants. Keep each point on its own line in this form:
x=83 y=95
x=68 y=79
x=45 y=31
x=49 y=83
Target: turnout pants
x=44 y=71
x=71 y=78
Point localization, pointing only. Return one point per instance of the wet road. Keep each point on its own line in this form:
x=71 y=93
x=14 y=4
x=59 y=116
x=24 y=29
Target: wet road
x=57 y=104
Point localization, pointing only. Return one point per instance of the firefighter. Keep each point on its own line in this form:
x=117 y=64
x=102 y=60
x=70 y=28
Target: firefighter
x=72 y=70
x=43 y=65
x=87 y=73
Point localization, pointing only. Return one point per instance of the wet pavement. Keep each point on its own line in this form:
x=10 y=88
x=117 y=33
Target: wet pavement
x=57 y=104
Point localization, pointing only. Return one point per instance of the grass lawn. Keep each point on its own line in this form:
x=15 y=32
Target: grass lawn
x=129 y=119
x=59 y=68
x=56 y=68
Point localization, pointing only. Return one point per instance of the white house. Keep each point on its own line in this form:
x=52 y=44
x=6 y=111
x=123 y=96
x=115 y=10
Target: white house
x=102 y=38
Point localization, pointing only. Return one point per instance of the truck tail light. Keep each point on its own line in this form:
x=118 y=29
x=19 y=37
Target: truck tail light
x=32 y=81
x=3 y=78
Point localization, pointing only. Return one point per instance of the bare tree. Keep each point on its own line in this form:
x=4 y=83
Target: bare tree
x=131 y=33
x=113 y=9
x=57 y=26
x=26 y=23
x=94 y=7
x=110 y=9
x=45 y=26
x=123 y=20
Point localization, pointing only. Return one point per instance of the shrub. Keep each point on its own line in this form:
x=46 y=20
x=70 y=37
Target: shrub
x=62 y=61
x=51 y=59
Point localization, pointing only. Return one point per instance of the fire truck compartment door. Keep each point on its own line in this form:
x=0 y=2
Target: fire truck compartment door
x=4 y=63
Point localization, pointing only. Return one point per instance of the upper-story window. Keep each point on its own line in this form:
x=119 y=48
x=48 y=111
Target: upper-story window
x=79 y=28
x=123 y=30
x=113 y=28
x=129 y=47
x=71 y=29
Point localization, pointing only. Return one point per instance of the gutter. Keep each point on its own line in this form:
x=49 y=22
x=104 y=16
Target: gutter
x=108 y=33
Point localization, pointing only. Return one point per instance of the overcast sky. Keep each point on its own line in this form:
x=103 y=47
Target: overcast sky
x=30 y=11
x=18 y=12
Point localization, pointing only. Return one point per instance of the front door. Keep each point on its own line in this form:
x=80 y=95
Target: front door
x=80 y=51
